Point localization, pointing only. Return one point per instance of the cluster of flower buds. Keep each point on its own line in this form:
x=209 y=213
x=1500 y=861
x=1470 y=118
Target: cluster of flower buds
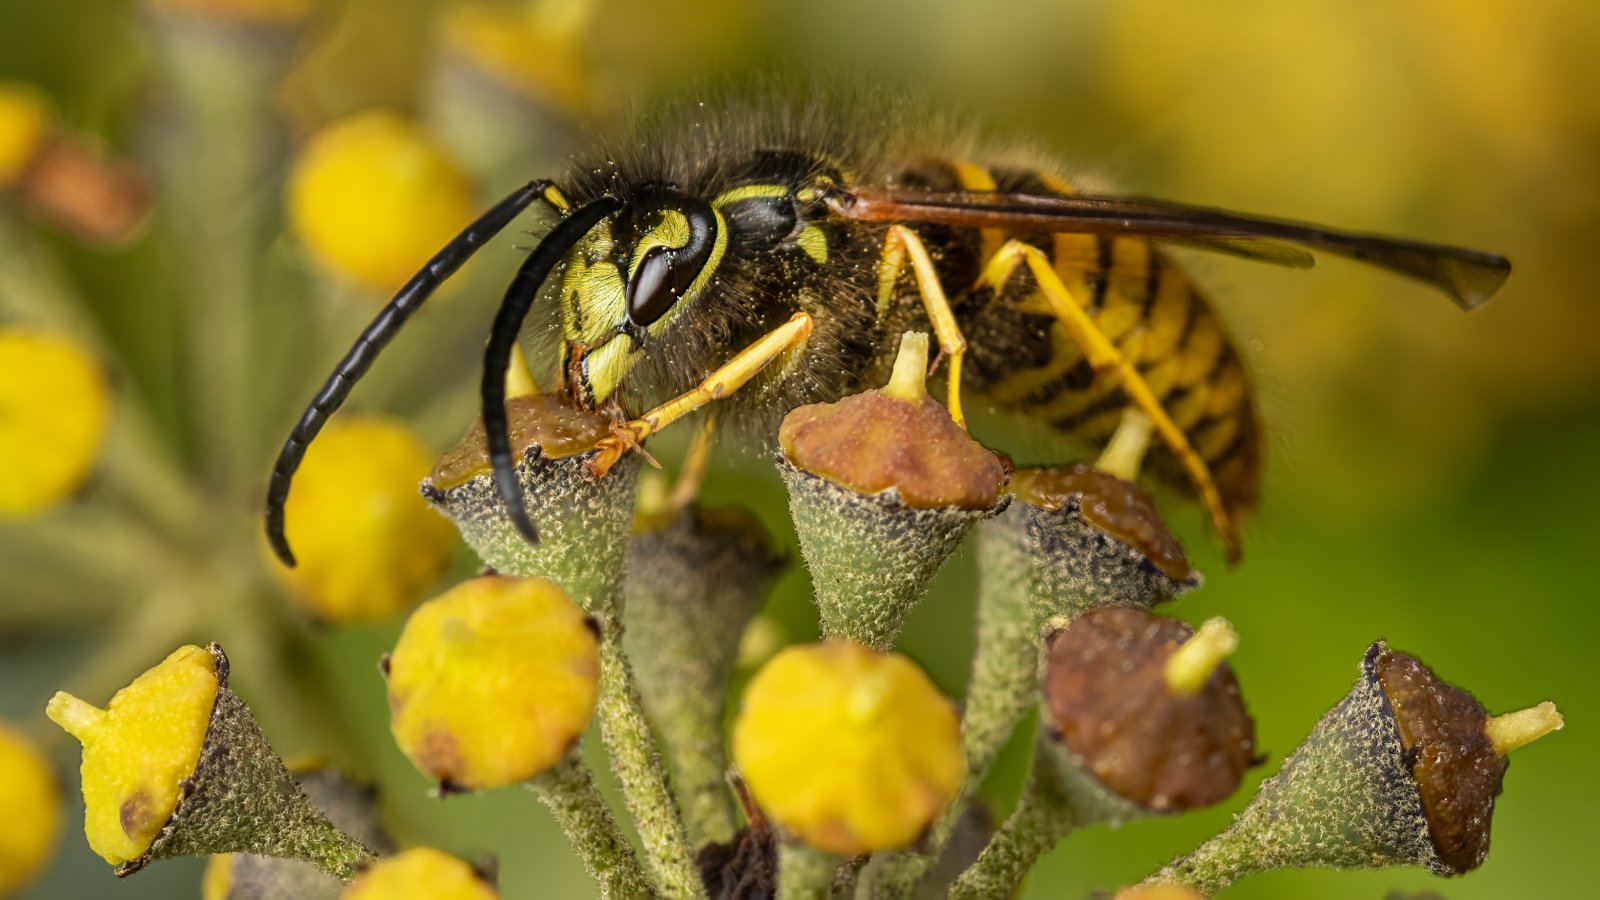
x=856 y=774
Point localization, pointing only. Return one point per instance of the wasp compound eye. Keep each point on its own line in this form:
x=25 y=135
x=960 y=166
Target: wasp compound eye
x=670 y=258
x=656 y=285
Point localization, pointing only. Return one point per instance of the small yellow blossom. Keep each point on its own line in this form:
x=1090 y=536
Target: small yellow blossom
x=30 y=810
x=366 y=541
x=373 y=197
x=53 y=409
x=421 y=873
x=25 y=122
x=139 y=749
x=492 y=682
x=851 y=750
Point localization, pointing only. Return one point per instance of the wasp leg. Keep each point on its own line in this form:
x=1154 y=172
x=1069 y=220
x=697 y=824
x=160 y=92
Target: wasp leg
x=729 y=377
x=1125 y=451
x=900 y=244
x=1106 y=359
x=693 y=473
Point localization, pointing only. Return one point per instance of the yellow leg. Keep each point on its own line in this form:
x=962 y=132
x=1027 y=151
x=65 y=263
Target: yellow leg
x=728 y=378
x=1105 y=359
x=901 y=244
x=693 y=473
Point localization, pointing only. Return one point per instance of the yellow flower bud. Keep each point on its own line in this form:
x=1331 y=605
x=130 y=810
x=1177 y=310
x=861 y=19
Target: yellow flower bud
x=25 y=122
x=372 y=197
x=53 y=409
x=491 y=683
x=421 y=873
x=30 y=809
x=138 y=750
x=851 y=750
x=366 y=541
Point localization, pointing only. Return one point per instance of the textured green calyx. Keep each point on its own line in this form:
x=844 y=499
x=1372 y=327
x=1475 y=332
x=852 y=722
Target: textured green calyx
x=350 y=806
x=695 y=581
x=1344 y=800
x=582 y=520
x=871 y=556
x=241 y=799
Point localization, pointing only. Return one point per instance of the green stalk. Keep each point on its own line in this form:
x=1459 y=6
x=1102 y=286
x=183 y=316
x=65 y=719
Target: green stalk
x=805 y=873
x=569 y=792
x=1042 y=818
x=636 y=760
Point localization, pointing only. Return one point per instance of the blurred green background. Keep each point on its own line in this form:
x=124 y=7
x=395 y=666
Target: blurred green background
x=1432 y=477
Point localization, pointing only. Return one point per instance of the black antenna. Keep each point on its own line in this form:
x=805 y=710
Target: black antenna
x=524 y=289
x=373 y=339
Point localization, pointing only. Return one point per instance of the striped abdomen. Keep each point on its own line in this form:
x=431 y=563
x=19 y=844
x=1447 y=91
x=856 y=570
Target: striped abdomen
x=1021 y=359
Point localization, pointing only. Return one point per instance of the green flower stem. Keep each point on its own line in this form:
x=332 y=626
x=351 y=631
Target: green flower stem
x=1042 y=818
x=583 y=527
x=637 y=763
x=690 y=728
x=1004 y=684
x=569 y=791
x=1005 y=667
x=805 y=873
x=695 y=580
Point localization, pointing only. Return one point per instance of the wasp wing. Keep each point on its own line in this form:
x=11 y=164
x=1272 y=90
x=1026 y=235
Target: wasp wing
x=1469 y=277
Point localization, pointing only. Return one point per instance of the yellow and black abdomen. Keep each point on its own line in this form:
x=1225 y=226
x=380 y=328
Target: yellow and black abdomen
x=1022 y=360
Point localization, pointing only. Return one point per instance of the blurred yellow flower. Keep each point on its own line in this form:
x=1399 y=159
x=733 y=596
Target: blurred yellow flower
x=25 y=121
x=852 y=750
x=366 y=541
x=534 y=47
x=138 y=750
x=54 y=403
x=422 y=873
x=493 y=682
x=30 y=807
x=373 y=196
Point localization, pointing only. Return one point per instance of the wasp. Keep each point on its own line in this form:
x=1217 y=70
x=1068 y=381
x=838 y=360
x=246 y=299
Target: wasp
x=757 y=255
